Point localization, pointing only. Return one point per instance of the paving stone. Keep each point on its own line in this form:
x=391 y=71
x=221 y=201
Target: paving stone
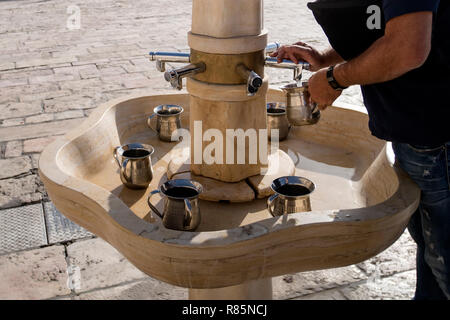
x=68 y=103
x=110 y=49
x=19 y=191
x=100 y=265
x=14 y=167
x=43 y=61
x=12 y=83
x=149 y=289
x=37 y=145
x=399 y=257
x=92 y=60
x=131 y=68
x=302 y=284
x=85 y=71
x=44 y=95
x=70 y=114
x=44 y=117
x=38 y=130
x=399 y=286
x=35 y=160
x=19 y=109
x=7 y=66
x=143 y=64
x=26 y=73
x=91 y=72
x=13 y=149
x=61 y=229
x=35 y=274
x=33 y=89
x=22 y=228
x=324 y=295
x=12 y=122
x=53 y=78
x=109 y=71
x=87 y=112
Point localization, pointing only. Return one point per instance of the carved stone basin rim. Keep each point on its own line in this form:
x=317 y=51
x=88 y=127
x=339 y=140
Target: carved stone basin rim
x=269 y=247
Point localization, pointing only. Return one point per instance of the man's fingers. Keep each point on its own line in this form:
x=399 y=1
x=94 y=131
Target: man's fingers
x=295 y=54
x=292 y=57
x=300 y=44
x=280 y=55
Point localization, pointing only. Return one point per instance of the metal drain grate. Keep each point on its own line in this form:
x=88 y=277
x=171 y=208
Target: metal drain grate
x=61 y=229
x=22 y=228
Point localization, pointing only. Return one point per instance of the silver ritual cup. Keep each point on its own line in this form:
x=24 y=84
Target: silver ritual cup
x=292 y=195
x=181 y=205
x=277 y=120
x=135 y=164
x=168 y=121
x=300 y=110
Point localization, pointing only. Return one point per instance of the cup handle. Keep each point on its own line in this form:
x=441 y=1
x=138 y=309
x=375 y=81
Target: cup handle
x=117 y=157
x=188 y=209
x=149 y=122
x=153 y=207
x=270 y=202
x=123 y=167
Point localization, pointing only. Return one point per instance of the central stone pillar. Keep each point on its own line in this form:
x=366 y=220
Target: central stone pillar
x=226 y=34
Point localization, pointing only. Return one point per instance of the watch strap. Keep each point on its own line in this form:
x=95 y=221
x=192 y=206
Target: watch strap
x=332 y=80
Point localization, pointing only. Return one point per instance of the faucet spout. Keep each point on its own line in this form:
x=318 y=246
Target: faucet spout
x=254 y=81
x=175 y=77
x=288 y=64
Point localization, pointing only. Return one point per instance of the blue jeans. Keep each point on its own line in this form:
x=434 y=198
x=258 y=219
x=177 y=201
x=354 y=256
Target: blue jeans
x=430 y=225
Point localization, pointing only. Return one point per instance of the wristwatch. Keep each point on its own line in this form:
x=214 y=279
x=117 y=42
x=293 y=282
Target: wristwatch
x=332 y=80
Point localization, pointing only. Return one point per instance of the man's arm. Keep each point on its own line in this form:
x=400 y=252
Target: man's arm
x=404 y=47
x=330 y=58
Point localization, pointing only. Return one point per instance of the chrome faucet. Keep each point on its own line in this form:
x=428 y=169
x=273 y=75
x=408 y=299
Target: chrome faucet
x=175 y=76
x=162 y=58
x=288 y=64
x=254 y=81
x=285 y=64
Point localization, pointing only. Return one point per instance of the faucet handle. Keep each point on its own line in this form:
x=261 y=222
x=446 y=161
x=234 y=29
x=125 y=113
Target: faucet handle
x=272 y=47
x=288 y=64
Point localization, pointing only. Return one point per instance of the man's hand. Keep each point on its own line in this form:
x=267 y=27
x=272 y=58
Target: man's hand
x=301 y=51
x=321 y=91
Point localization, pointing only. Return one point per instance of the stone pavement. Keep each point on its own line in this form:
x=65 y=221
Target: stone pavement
x=52 y=75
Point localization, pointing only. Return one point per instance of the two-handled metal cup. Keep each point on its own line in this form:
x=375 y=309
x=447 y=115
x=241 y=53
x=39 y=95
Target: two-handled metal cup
x=300 y=110
x=277 y=120
x=181 y=205
x=168 y=121
x=135 y=164
x=292 y=195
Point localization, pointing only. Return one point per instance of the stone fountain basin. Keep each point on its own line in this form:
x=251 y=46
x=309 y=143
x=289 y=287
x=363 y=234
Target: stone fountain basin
x=361 y=205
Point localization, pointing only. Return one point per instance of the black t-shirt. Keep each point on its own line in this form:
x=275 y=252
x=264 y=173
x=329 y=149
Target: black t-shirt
x=414 y=108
